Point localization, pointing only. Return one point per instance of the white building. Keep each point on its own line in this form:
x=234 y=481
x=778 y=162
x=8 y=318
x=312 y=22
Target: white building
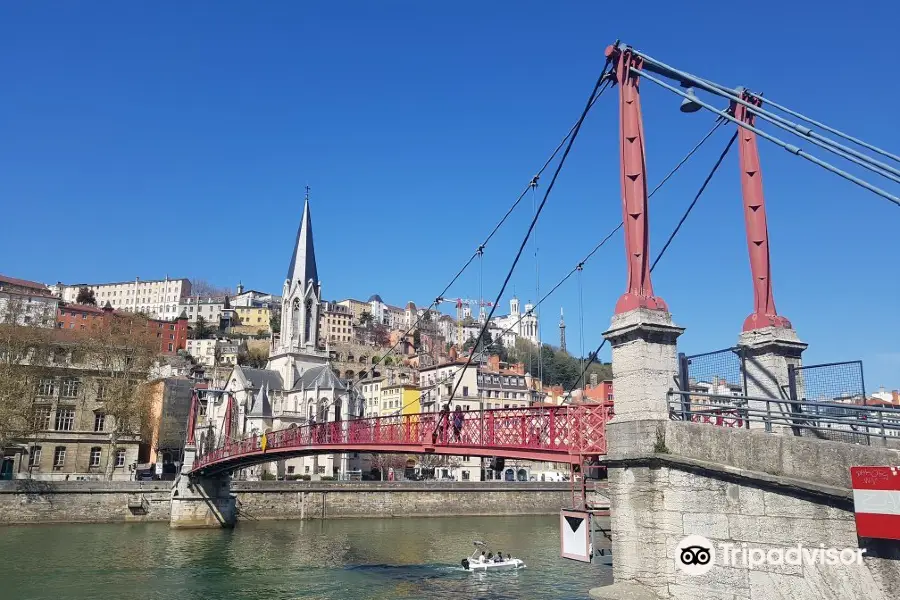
x=211 y=309
x=27 y=302
x=523 y=325
x=158 y=298
x=298 y=384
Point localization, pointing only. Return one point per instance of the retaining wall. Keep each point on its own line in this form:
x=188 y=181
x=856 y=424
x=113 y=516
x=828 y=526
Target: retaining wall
x=23 y=501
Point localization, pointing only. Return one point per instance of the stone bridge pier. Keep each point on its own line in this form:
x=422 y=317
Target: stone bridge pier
x=670 y=479
x=201 y=502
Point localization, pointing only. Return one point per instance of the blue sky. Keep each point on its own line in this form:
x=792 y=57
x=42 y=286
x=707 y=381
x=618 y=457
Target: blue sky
x=169 y=139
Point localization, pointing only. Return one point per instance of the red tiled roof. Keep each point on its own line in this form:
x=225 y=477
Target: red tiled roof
x=24 y=283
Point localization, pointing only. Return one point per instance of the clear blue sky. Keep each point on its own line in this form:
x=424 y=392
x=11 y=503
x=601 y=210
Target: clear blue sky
x=153 y=139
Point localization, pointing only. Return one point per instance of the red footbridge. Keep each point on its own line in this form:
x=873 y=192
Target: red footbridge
x=564 y=434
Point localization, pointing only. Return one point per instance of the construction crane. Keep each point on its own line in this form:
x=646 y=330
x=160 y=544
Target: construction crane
x=460 y=304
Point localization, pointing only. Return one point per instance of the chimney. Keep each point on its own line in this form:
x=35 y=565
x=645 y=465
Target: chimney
x=895 y=396
x=593 y=380
x=494 y=362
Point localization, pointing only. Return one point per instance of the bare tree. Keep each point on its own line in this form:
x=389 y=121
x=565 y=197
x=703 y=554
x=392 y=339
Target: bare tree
x=205 y=289
x=24 y=356
x=122 y=350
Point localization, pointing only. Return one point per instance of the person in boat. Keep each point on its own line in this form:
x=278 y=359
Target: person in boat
x=457 y=422
x=499 y=557
x=490 y=555
x=481 y=558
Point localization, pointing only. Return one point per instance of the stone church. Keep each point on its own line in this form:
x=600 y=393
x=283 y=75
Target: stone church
x=299 y=383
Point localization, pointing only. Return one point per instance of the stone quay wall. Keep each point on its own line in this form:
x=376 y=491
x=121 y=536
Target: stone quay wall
x=23 y=501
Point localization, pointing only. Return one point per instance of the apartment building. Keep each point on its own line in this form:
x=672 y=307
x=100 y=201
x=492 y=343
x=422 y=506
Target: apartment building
x=157 y=298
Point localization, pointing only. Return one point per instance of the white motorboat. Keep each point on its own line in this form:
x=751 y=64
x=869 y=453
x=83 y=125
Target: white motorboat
x=482 y=560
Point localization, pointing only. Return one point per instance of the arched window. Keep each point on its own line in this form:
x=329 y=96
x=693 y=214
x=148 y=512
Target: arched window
x=307 y=336
x=337 y=409
x=323 y=410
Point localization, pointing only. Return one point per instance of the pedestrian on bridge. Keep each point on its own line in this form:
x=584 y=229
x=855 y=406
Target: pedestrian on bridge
x=457 y=423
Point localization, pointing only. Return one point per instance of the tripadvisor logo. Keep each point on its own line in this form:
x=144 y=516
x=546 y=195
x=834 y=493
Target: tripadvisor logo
x=696 y=555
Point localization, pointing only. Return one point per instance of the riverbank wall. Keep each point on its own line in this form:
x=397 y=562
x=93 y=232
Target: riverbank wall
x=24 y=501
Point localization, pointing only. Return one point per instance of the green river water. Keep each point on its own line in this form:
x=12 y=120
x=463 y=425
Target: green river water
x=342 y=559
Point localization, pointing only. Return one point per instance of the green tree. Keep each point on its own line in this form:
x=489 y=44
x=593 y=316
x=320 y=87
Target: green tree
x=201 y=329
x=417 y=339
x=366 y=318
x=86 y=296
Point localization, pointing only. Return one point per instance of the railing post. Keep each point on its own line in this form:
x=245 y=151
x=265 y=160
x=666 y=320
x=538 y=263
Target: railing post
x=684 y=383
x=768 y=416
x=792 y=393
x=490 y=435
x=552 y=428
x=881 y=426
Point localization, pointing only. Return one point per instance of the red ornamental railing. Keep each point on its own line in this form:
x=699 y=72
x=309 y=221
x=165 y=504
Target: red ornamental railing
x=563 y=430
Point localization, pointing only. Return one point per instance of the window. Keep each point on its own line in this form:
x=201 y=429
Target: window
x=99 y=421
x=47 y=387
x=321 y=469
x=65 y=419
x=465 y=390
x=290 y=470
x=34 y=459
x=42 y=418
x=59 y=456
x=95 y=457
x=306 y=469
x=102 y=386
x=70 y=388
x=120 y=458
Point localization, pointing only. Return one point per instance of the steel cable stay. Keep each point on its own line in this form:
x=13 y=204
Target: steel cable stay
x=601 y=85
x=479 y=251
x=863 y=160
x=593 y=355
x=785 y=124
x=580 y=265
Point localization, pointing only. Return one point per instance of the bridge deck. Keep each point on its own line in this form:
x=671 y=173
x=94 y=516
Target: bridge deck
x=557 y=433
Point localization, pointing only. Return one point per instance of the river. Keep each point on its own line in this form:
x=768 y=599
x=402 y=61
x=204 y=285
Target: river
x=341 y=559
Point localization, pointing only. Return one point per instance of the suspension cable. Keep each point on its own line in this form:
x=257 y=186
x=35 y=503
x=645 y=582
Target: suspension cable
x=837 y=132
x=694 y=201
x=479 y=251
x=580 y=265
x=537 y=290
x=593 y=356
x=601 y=85
x=789 y=147
x=825 y=142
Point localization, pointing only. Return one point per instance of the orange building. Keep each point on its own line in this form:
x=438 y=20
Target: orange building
x=172 y=335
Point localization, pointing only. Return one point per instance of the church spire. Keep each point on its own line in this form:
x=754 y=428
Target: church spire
x=303 y=261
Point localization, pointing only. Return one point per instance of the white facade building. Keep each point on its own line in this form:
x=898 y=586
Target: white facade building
x=211 y=309
x=520 y=324
x=204 y=351
x=27 y=303
x=157 y=298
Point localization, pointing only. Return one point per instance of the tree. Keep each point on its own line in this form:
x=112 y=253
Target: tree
x=417 y=339
x=24 y=361
x=255 y=357
x=201 y=330
x=86 y=296
x=366 y=318
x=122 y=350
x=205 y=289
x=382 y=462
x=381 y=337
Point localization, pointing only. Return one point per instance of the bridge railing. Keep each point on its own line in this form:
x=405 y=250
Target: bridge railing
x=578 y=429
x=821 y=419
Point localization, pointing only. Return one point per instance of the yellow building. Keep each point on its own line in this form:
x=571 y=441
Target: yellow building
x=400 y=398
x=250 y=320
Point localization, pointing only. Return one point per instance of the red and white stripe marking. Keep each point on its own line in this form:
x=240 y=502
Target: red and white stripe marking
x=876 y=501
